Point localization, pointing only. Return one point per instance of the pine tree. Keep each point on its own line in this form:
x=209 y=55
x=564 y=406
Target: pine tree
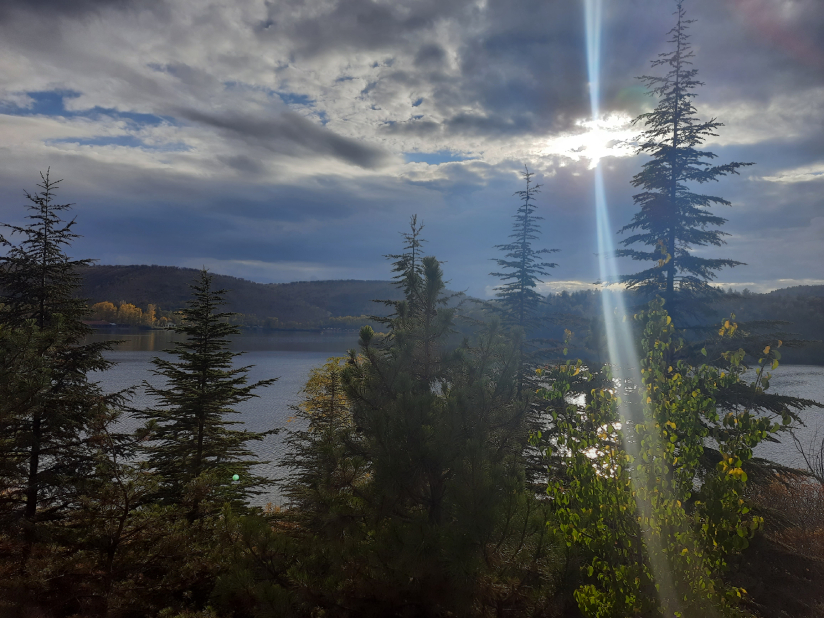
x=48 y=417
x=522 y=268
x=192 y=447
x=443 y=432
x=673 y=219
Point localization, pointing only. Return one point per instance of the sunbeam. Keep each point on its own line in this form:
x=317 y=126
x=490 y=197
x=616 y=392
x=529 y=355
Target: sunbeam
x=620 y=342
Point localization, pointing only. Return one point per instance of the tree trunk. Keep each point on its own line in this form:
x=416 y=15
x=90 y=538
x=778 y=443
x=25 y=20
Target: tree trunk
x=32 y=483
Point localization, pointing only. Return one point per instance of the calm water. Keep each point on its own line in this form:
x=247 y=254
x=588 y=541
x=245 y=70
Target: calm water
x=287 y=356
x=290 y=356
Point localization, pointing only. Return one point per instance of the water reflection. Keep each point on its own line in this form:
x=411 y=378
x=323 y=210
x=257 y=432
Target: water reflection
x=136 y=340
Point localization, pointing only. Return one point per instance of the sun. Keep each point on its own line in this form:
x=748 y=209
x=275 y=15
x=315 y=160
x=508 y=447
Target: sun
x=608 y=136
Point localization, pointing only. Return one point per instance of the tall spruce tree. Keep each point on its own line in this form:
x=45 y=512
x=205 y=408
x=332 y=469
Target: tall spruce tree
x=192 y=446
x=50 y=408
x=673 y=219
x=521 y=271
x=522 y=266
x=407 y=266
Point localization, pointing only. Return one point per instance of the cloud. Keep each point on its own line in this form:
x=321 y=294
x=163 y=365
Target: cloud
x=800 y=174
x=281 y=132
x=73 y=9
x=289 y=133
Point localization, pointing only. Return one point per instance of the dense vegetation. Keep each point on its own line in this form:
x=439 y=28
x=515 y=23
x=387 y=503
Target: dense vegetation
x=413 y=487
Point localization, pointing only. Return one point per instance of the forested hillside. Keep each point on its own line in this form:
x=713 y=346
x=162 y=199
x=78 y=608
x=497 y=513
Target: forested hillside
x=797 y=312
x=800 y=307
x=317 y=303
x=302 y=302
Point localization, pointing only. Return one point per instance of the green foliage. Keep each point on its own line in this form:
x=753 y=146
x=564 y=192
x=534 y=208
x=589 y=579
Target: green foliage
x=49 y=408
x=37 y=279
x=672 y=219
x=407 y=491
x=657 y=526
x=269 y=573
x=191 y=444
x=326 y=473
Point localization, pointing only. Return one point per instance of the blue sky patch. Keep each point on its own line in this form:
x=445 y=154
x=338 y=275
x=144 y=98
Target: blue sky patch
x=290 y=98
x=53 y=103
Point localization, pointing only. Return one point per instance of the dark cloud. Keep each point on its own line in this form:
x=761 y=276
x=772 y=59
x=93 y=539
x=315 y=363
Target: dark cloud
x=431 y=55
x=243 y=163
x=355 y=24
x=494 y=125
x=289 y=133
x=73 y=8
x=415 y=128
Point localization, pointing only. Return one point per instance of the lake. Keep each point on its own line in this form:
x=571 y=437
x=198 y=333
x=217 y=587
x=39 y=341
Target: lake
x=289 y=356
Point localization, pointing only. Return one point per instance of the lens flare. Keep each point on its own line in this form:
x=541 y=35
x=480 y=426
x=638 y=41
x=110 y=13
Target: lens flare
x=620 y=342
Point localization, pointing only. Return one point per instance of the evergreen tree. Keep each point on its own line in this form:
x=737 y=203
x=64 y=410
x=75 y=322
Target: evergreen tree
x=37 y=279
x=673 y=219
x=48 y=415
x=407 y=490
x=193 y=448
x=522 y=266
x=443 y=431
x=407 y=265
x=517 y=295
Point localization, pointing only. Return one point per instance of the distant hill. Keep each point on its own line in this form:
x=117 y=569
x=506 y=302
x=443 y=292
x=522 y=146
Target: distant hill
x=802 y=307
x=302 y=302
x=800 y=290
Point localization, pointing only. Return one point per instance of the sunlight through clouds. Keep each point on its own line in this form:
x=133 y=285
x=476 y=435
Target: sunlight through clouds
x=608 y=136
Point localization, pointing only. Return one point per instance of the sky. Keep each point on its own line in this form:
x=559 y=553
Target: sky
x=288 y=140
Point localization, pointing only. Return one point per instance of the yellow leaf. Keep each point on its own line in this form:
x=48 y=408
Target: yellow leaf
x=669 y=320
x=767 y=350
